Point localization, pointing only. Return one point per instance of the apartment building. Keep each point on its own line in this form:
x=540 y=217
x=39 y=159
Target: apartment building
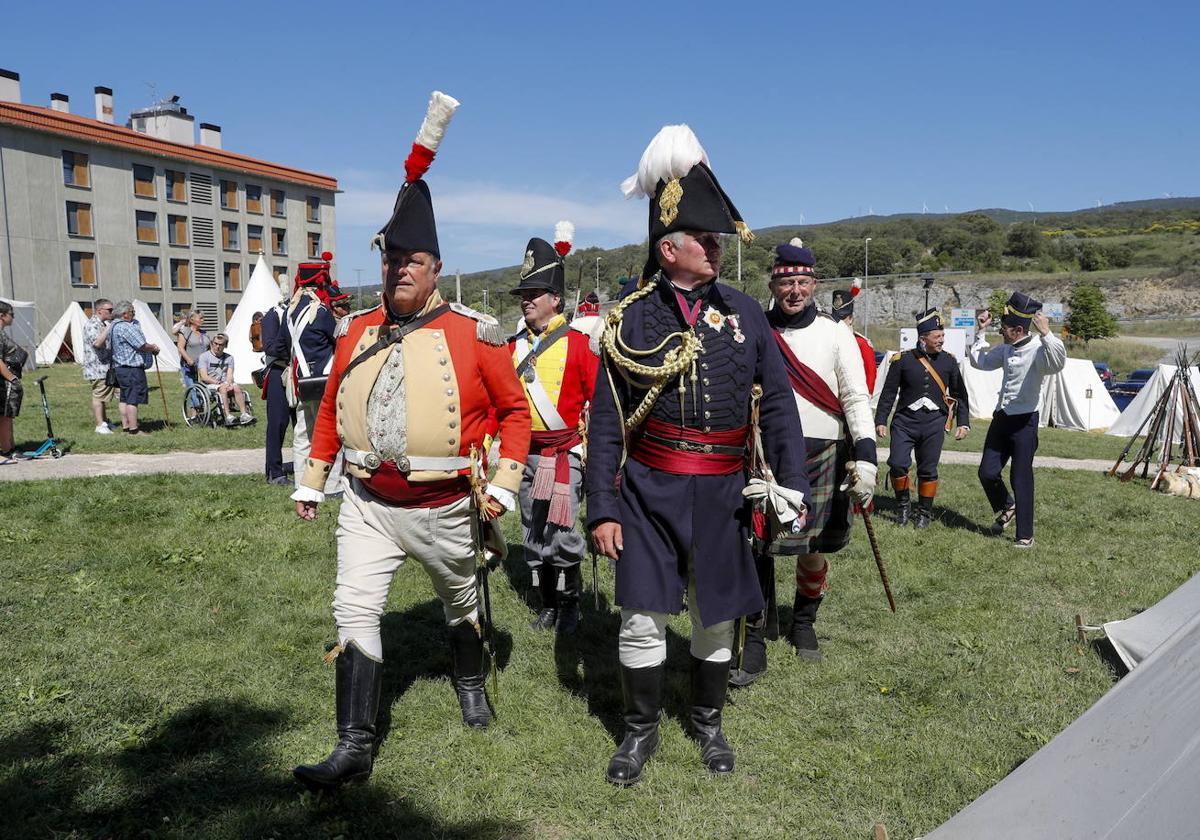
x=91 y=209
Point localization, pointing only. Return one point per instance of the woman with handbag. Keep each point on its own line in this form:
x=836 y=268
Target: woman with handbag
x=12 y=360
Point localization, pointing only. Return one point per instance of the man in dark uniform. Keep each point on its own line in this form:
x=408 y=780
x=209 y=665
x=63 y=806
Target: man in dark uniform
x=933 y=397
x=680 y=356
x=277 y=360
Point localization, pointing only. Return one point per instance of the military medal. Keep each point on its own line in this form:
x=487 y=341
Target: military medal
x=530 y=374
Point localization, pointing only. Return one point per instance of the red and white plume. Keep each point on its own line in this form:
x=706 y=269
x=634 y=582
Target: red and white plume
x=856 y=287
x=671 y=154
x=564 y=237
x=433 y=128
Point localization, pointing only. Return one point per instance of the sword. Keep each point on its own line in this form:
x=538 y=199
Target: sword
x=482 y=569
x=870 y=526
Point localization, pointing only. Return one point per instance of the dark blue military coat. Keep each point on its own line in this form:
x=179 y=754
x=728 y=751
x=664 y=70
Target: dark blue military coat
x=667 y=519
x=908 y=376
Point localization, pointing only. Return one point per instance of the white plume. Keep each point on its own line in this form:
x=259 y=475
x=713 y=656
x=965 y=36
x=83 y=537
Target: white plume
x=797 y=241
x=671 y=154
x=437 y=117
x=564 y=231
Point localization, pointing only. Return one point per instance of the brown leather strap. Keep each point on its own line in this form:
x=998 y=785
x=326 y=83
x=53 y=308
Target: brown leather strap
x=951 y=403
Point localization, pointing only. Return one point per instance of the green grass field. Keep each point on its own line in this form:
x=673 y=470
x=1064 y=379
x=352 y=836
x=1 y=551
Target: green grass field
x=70 y=400
x=1166 y=327
x=1055 y=443
x=163 y=639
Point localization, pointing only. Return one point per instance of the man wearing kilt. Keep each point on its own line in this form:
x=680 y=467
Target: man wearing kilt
x=825 y=372
x=666 y=478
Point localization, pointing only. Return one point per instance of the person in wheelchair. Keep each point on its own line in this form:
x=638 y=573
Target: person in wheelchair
x=215 y=369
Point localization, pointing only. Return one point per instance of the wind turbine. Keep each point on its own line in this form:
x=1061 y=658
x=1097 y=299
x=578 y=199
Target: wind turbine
x=924 y=208
x=1030 y=203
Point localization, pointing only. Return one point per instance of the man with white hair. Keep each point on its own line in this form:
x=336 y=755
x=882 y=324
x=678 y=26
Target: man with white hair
x=682 y=357
x=131 y=355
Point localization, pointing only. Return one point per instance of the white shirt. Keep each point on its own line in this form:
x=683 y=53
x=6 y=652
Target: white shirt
x=829 y=348
x=1025 y=365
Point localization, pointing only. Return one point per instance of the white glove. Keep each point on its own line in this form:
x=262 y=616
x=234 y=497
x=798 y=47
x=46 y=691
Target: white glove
x=860 y=481
x=785 y=504
x=504 y=498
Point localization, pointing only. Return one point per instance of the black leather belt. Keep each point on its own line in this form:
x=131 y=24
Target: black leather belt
x=689 y=446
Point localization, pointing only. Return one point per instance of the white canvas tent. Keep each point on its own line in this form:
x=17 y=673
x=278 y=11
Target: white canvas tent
x=1127 y=768
x=1137 y=637
x=1142 y=406
x=23 y=329
x=156 y=333
x=260 y=294
x=1074 y=399
x=67 y=330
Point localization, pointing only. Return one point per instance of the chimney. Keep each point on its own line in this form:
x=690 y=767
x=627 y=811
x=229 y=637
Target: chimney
x=60 y=102
x=210 y=135
x=10 y=86
x=104 y=105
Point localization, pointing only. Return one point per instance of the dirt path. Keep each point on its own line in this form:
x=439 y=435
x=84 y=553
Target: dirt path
x=250 y=462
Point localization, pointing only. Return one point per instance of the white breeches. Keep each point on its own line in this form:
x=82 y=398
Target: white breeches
x=306 y=421
x=642 y=640
x=373 y=541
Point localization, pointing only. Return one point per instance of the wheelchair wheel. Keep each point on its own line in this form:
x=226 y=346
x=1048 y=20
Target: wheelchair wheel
x=197 y=406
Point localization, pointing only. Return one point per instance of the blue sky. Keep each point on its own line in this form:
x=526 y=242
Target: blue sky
x=810 y=111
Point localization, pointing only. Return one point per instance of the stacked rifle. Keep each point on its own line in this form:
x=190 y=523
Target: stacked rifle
x=1172 y=429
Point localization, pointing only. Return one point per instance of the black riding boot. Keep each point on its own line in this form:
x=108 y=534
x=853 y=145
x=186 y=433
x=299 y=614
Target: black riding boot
x=902 y=507
x=466 y=649
x=924 y=511
x=754 y=653
x=357 y=680
x=709 y=681
x=548 y=586
x=568 y=601
x=803 y=636
x=642 y=689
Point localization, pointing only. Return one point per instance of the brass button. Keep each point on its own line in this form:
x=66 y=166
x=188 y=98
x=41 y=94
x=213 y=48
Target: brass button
x=453 y=424
x=707 y=415
x=452 y=441
x=445 y=377
x=512 y=466
x=342 y=406
x=705 y=380
x=442 y=361
x=707 y=397
x=437 y=334
x=439 y=348
x=451 y=408
x=449 y=392
x=708 y=428
x=704 y=365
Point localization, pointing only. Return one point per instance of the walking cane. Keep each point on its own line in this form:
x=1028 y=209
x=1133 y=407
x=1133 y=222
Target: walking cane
x=162 y=393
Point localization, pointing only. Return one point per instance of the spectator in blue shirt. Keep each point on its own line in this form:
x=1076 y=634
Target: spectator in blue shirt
x=131 y=355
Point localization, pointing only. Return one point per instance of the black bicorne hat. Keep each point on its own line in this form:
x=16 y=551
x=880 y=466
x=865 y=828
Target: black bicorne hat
x=928 y=321
x=412 y=226
x=843 y=303
x=542 y=269
x=1019 y=310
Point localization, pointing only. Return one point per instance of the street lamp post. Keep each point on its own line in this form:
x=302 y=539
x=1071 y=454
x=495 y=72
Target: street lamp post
x=597 y=277
x=866 y=277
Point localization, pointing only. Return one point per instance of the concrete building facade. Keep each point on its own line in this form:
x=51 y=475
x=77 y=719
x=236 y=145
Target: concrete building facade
x=90 y=209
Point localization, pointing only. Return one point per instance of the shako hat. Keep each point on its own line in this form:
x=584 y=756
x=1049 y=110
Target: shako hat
x=1019 y=310
x=928 y=321
x=315 y=274
x=543 y=266
x=842 y=303
x=792 y=258
x=412 y=226
x=684 y=193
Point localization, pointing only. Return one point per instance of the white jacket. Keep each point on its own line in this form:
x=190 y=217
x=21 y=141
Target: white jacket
x=1025 y=365
x=830 y=349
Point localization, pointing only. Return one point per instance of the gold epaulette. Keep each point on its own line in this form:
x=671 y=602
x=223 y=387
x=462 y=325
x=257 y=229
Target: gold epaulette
x=896 y=356
x=343 y=324
x=487 y=328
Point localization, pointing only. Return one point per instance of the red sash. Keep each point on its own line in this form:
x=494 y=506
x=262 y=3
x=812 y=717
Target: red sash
x=552 y=479
x=689 y=457
x=807 y=382
x=391 y=486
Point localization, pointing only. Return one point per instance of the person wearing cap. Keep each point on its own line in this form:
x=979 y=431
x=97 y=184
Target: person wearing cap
x=277 y=357
x=1013 y=434
x=557 y=369
x=410 y=390
x=827 y=389
x=666 y=475
x=933 y=399
x=843 y=310
x=308 y=329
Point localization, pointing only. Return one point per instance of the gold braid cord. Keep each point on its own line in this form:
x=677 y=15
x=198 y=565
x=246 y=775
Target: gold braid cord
x=622 y=359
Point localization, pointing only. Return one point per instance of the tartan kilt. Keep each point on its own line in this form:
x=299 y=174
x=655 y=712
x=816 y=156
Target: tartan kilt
x=830 y=510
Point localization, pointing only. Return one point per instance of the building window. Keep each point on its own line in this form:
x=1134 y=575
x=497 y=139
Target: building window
x=230 y=238
x=143 y=180
x=177 y=231
x=253 y=198
x=75 y=169
x=176 y=185
x=229 y=195
x=79 y=219
x=148 y=273
x=83 y=269
x=278 y=202
x=147 y=226
x=314 y=244
x=280 y=271
x=254 y=238
x=181 y=274
x=313 y=204
x=179 y=311
x=230 y=308
x=279 y=241
x=233 y=277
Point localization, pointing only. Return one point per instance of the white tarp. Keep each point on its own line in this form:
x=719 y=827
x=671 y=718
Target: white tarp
x=260 y=294
x=880 y=376
x=23 y=329
x=156 y=333
x=1137 y=637
x=1125 y=770
x=1064 y=403
x=67 y=330
x=1142 y=405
